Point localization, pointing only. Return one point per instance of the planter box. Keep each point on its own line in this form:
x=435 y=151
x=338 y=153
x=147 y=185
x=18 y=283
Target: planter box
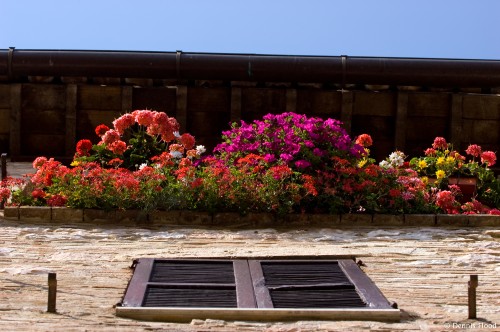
x=35 y=213
x=353 y=219
x=131 y=217
x=459 y=220
x=165 y=217
x=476 y=220
x=62 y=214
x=98 y=216
x=235 y=220
x=11 y=213
x=195 y=218
x=420 y=220
x=388 y=219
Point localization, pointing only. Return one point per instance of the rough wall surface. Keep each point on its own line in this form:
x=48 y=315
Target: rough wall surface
x=424 y=270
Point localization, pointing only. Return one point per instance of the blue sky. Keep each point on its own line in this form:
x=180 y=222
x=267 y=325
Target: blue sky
x=398 y=28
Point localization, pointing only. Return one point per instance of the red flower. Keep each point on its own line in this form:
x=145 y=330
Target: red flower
x=38 y=194
x=309 y=184
x=101 y=129
x=187 y=140
x=83 y=147
x=118 y=147
x=115 y=162
x=394 y=193
x=364 y=140
x=57 y=200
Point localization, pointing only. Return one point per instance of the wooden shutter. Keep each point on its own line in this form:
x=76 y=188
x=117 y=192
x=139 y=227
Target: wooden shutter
x=183 y=289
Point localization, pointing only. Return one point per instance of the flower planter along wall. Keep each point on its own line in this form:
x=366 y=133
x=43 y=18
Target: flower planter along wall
x=61 y=215
x=285 y=164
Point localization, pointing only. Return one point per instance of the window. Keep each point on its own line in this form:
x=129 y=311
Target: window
x=184 y=289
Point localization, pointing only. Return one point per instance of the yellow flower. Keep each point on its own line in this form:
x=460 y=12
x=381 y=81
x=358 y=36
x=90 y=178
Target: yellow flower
x=362 y=163
x=450 y=160
x=440 y=174
x=425 y=179
x=75 y=163
x=440 y=161
x=422 y=164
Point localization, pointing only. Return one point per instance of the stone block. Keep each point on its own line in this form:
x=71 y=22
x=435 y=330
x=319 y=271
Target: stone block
x=480 y=220
x=35 y=213
x=353 y=219
x=99 y=216
x=388 y=220
x=63 y=214
x=227 y=219
x=458 y=220
x=257 y=219
x=420 y=220
x=323 y=220
x=131 y=217
x=11 y=213
x=171 y=217
x=195 y=218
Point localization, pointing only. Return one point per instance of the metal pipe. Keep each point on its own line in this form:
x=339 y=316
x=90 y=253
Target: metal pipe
x=252 y=67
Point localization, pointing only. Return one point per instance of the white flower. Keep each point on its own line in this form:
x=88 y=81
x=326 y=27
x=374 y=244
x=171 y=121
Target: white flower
x=397 y=158
x=176 y=154
x=143 y=165
x=176 y=134
x=384 y=164
x=200 y=149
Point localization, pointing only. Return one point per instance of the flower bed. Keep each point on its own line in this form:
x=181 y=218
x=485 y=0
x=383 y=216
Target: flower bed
x=284 y=165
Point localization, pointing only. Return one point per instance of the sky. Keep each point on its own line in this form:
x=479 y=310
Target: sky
x=467 y=29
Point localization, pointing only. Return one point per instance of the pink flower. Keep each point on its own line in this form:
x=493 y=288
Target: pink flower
x=4 y=193
x=474 y=150
x=445 y=200
x=440 y=143
x=494 y=212
x=123 y=122
x=39 y=162
x=111 y=136
x=301 y=164
x=161 y=120
x=430 y=152
x=144 y=117
x=489 y=158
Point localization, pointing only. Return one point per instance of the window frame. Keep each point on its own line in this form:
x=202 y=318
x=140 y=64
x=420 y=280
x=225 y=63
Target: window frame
x=253 y=297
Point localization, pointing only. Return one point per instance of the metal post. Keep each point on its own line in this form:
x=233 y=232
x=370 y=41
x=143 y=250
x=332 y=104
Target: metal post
x=473 y=283
x=4 y=165
x=51 y=304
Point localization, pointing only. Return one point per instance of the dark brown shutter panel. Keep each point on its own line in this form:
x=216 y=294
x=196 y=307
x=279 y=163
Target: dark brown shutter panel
x=303 y=284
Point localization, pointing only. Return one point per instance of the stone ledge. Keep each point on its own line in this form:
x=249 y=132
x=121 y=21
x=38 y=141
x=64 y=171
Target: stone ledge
x=186 y=218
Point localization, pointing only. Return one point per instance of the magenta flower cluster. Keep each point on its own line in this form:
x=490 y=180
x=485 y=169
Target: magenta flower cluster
x=301 y=142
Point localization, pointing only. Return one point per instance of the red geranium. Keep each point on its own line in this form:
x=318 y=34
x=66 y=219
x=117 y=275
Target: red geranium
x=83 y=147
